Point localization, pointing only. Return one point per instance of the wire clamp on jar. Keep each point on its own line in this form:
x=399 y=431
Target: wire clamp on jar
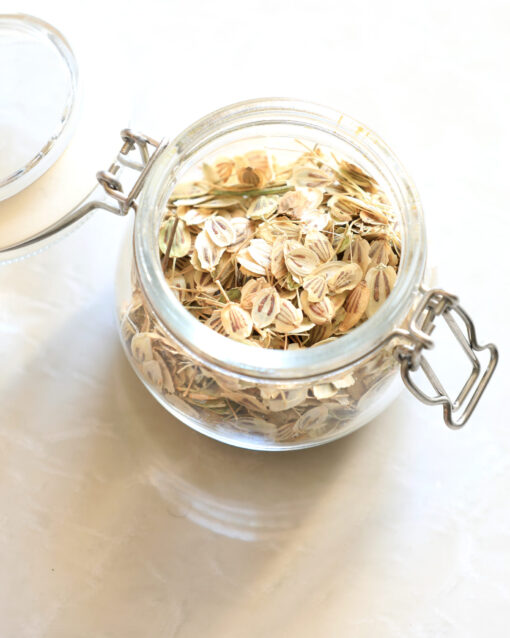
x=437 y=303
x=109 y=179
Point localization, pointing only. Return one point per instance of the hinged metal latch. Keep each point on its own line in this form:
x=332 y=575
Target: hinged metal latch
x=149 y=149
x=434 y=304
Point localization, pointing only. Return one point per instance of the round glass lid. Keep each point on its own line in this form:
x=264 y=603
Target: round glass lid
x=38 y=100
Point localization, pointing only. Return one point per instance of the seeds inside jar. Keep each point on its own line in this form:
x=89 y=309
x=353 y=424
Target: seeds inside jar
x=285 y=247
x=274 y=255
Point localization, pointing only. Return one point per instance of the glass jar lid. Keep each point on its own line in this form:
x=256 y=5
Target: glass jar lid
x=38 y=109
x=57 y=126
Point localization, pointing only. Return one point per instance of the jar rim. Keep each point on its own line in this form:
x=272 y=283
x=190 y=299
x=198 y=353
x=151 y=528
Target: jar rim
x=225 y=354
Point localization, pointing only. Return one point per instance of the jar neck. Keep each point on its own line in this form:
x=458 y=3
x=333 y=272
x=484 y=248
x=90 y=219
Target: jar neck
x=282 y=119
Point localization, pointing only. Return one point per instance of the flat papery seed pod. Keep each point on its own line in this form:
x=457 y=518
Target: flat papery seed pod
x=243 y=229
x=178 y=286
x=266 y=305
x=310 y=177
x=279 y=227
x=167 y=380
x=207 y=252
x=220 y=230
x=358 y=176
x=320 y=245
x=338 y=211
x=151 y=371
x=251 y=177
x=342 y=277
x=190 y=190
x=289 y=318
x=379 y=252
x=380 y=281
x=209 y=173
x=358 y=253
x=355 y=306
x=215 y=323
x=247 y=265
x=181 y=243
x=345 y=381
x=278 y=267
x=260 y=160
x=301 y=261
x=223 y=167
x=293 y=204
x=262 y=207
x=312 y=419
x=196 y=216
x=319 y=312
x=260 y=252
x=141 y=346
x=316 y=287
x=373 y=217
x=291 y=244
x=314 y=197
x=306 y=326
x=286 y=399
x=204 y=282
x=318 y=334
x=338 y=300
x=236 y=322
x=315 y=221
x=324 y=391
x=250 y=289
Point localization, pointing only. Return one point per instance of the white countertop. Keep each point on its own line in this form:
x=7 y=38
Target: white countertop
x=119 y=522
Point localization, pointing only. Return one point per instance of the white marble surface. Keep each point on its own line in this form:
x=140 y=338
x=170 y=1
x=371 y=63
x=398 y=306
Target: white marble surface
x=118 y=522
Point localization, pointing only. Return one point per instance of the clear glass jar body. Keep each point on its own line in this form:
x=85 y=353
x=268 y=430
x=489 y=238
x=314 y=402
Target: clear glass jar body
x=251 y=397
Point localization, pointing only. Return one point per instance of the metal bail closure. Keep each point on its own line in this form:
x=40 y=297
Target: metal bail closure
x=438 y=303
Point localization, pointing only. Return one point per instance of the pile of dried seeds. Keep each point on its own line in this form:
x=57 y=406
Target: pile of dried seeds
x=280 y=256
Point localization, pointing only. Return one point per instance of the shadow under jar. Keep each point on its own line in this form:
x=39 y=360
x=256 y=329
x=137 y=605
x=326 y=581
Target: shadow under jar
x=268 y=399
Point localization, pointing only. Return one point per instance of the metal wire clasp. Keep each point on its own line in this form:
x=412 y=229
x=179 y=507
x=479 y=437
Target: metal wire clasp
x=434 y=304
x=149 y=149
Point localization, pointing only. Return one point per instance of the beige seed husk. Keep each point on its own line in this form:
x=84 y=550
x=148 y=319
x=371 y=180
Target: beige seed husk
x=236 y=321
x=355 y=306
x=151 y=370
x=318 y=313
x=220 y=231
x=289 y=318
x=380 y=281
x=223 y=167
x=358 y=253
x=278 y=267
x=141 y=346
x=301 y=261
x=262 y=207
x=316 y=287
x=310 y=177
x=379 y=252
x=341 y=276
x=250 y=289
x=266 y=306
x=181 y=242
x=207 y=252
x=293 y=204
x=319 y=244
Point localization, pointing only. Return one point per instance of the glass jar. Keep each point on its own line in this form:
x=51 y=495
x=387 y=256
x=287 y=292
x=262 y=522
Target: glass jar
x=273 y=399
